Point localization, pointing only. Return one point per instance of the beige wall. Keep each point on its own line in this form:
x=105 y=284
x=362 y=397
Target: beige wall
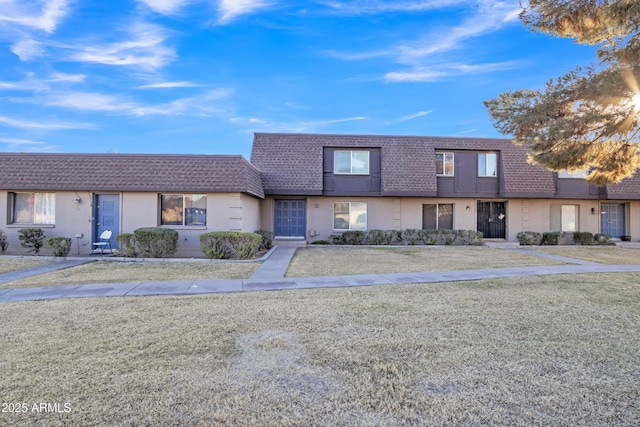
x=225 y=211
x=389 y=213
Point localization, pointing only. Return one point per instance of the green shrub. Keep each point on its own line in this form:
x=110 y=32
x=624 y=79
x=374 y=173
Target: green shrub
x=451 y=237
x=337 y=239
x=156 y=242
x=410 y=236
x=127 y=245
x=321 y=242
x=602 y=239
x=353 y=237
x=582 y=238
x=60 y=246
x=381 y=237
x=230 y=244
x=267 y=239
x=551 y=238
x=528 y=238
x=32 y=239
x=4 y=242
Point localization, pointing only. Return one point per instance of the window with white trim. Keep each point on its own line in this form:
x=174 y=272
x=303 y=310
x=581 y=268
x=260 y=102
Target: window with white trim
x=350 y=216
x=444 y=163
x=32 y=208
x=488 y=164
x=183 y=209
x=351 y=162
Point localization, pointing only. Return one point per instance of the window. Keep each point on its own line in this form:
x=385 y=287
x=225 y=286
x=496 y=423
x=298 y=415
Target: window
x=487 y=164
x=33 y=208
x=350 y=216
x=351 y=162
x=578 y=174
x=564 y=217
x=183 y=209
x=444 y=164
x=437 y=216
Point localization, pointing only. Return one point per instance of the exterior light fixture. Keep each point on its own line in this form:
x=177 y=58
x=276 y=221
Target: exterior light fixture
x=77 y=199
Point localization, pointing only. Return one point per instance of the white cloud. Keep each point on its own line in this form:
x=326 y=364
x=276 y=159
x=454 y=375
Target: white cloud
x=43 y=15
x=88 y=102
x=168 y=85
x=384 y=6
x=165 y=7
x=414 y=115
x=71 y=78
x=27 y=49
x=144 y=49
x=297 y=127
x=25 y=145
x=439 y=71
x=204 y=104
x=54 y=125
x=231 y=9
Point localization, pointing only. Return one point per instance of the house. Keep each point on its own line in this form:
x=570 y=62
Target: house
x=316 y=185
x=80 y=195
x=307 y=187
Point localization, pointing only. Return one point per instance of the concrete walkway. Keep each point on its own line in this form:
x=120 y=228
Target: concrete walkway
x=270 y=276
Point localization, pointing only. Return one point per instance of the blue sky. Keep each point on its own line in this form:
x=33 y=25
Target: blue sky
x=190 y=76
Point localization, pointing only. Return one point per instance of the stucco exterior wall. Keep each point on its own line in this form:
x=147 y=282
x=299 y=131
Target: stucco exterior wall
x=225 y=211
x=397 y=213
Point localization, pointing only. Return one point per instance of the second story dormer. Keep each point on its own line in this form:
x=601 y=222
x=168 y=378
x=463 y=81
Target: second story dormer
x=468 y=173
x=351 y=171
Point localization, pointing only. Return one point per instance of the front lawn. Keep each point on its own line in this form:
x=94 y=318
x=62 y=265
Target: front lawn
x=550 y=350
x=336 y=260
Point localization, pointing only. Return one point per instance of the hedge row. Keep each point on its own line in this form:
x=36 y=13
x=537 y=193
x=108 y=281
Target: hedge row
x=409 y=236
x=163 y=242
x=533 y=238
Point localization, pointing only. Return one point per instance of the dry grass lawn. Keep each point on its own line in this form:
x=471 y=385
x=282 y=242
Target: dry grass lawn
x=113 y=272
x=8 y=264
x=553 y=350
x=329 y=261
x=601 y=254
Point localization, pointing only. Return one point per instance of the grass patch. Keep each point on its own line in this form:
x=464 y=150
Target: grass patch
x=325 y=261
x=604 y=255
x=9 y=264
x=552 y=350
x=114 y=272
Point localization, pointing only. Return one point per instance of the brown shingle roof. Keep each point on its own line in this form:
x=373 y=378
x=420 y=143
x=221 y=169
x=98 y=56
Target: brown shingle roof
x=293 y=162
x=129 y=172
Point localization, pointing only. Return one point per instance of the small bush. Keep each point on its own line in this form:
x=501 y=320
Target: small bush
x=602 y=239
x=267 y=239
x=410 y=236
x=353 y=237
x=32 y=239
x=551 y=238
x=4 y=242
x=337 y=239
x=60 y=246
x=156 y=242
x=127 y=245
x=321 y=242
x=381 y=237
x=230 y=244
x=528 y=238
x=582 y=238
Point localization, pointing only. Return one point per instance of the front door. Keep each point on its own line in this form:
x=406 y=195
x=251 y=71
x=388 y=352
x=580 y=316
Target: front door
x=290 y=218
x=612 y=219
x=107 y=216
x=492 y=219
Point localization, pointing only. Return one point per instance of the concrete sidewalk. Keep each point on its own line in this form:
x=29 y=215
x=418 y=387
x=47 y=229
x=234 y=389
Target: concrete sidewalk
x=54 y=265
x=274 y=279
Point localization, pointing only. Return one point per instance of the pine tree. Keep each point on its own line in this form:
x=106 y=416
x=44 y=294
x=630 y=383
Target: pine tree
x=588 y=118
